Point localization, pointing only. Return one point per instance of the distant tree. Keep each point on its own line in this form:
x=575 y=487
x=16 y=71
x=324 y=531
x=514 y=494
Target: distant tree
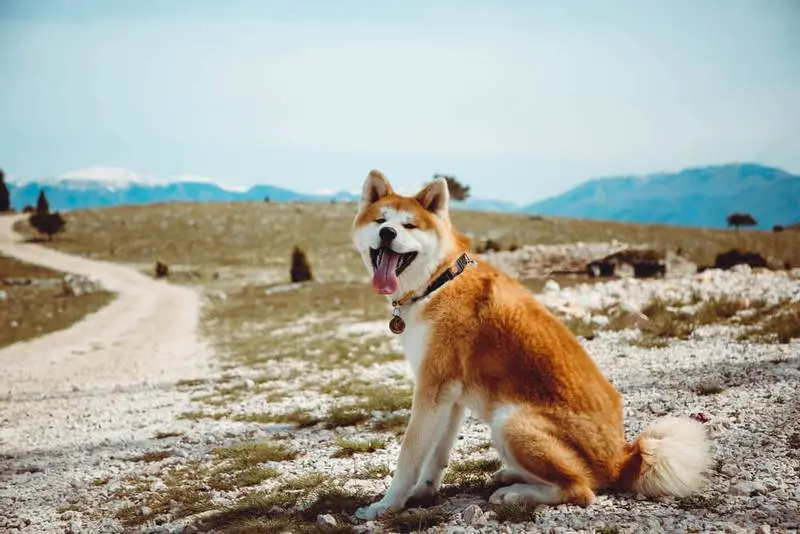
x=740 y=219
x=301 y=270
x=47 y=223
x=266 y=198
x=458 y=191
x=5 y=196
x=777 y=228
x=42 y=205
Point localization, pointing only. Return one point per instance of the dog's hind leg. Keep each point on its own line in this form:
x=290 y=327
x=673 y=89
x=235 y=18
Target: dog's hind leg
x=549 y=471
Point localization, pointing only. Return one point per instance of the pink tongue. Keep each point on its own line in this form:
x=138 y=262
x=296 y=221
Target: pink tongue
x=384 y=281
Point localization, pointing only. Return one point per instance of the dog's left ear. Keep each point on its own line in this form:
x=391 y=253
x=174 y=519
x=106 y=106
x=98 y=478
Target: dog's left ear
x=435 y=197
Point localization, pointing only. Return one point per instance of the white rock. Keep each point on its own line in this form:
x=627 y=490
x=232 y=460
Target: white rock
x=473 y=515
x=327 y=520
x=551 y=286
x=145 y=511
x=249 y=383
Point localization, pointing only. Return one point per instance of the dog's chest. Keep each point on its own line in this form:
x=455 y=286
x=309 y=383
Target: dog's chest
x=415 y=340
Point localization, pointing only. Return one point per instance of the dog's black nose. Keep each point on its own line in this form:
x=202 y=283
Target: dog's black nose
x=387 y=234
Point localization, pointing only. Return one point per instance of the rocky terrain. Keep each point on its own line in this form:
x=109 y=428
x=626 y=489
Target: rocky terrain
x=298 y=421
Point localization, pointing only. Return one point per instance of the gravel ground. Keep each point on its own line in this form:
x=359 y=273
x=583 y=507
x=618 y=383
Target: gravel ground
x=71 y=444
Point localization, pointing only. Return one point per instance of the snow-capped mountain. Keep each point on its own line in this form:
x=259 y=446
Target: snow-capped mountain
x=110 y=186
x=94 y=187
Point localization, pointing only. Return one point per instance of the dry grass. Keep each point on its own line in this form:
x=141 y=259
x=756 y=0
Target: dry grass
x=208 y=236
x=514 y=513
x=252 y=453
x=29 y=311
x=374 y=472
x=782 y=325
x=470 y=472
x=345 y=448
x=298 y=417
x=155 y=456
x=416 y=519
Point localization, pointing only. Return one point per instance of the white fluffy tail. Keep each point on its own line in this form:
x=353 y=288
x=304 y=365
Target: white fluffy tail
x=669 y=458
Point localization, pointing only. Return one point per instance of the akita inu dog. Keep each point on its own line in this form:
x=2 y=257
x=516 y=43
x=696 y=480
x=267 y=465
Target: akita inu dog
x=476 y=339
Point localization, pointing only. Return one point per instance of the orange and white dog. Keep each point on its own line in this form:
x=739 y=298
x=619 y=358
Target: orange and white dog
x=476 y=339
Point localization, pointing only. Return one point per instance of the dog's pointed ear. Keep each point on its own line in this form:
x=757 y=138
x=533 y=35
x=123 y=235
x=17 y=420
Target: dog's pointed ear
x=376 y=186
x=435 y=197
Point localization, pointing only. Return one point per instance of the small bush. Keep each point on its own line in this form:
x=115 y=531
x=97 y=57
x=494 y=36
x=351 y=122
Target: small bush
x=730 y=258
x=47 y=223
x=161 y=270
x=301 y=270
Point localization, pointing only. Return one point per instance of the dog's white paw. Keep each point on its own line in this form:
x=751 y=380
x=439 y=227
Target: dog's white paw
x=505 y=496
x=373 y=511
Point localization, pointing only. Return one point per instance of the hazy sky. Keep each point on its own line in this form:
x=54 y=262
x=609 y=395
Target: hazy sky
x=520 y=99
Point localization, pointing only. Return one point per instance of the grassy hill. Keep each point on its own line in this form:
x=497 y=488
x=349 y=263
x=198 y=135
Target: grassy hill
x=202 y=238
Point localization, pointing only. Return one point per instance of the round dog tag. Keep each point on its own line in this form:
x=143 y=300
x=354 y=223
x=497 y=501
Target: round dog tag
x=397 y=325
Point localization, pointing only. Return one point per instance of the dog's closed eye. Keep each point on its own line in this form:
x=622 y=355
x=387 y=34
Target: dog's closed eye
x=409 y=226
x=380 y=221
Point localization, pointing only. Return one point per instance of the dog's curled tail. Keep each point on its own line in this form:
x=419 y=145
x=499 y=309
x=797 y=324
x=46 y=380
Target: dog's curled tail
x=669 y=458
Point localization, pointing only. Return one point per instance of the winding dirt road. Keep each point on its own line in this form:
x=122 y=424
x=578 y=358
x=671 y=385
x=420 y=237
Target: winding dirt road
x=105 y=382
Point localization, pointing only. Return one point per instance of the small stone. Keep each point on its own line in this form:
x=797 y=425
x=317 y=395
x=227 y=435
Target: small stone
x=551 y=286
x=764 y=529
x=600 y=320
x=326 y=520
x=189 y=529
x=456 y=530
x=746 y=488
x=658 y=408
x=249 y=383
x=75 y=526
x=145 y=511
x=473 y=515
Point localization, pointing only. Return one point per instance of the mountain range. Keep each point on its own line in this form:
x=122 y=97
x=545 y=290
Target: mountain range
x=700 y=196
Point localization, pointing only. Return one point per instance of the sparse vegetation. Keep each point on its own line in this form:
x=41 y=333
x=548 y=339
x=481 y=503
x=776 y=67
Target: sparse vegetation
x=155 y=456
x=346 y=448
x=37 y=306
x=161 y=270
x=471 y=471
x=782 y=326
x=514 y=513
x=252 y=453
x=416 y=519
x=301 y=270
x=374 y=471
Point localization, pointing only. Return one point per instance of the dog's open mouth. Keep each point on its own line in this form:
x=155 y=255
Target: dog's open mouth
x=388 y=265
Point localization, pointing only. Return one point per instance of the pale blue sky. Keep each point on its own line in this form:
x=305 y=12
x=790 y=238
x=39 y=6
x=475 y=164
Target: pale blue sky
x=520 y=99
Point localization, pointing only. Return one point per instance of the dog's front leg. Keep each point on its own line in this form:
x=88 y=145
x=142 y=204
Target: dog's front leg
x=431 y=478
x=426 y=428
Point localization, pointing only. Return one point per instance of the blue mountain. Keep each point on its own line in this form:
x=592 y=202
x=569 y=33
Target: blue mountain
x=701 y=196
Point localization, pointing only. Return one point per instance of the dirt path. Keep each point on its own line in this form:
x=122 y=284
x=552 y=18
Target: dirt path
x=106 y=381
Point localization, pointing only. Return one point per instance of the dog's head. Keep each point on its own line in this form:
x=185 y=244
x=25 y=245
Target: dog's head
x=403 y=240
